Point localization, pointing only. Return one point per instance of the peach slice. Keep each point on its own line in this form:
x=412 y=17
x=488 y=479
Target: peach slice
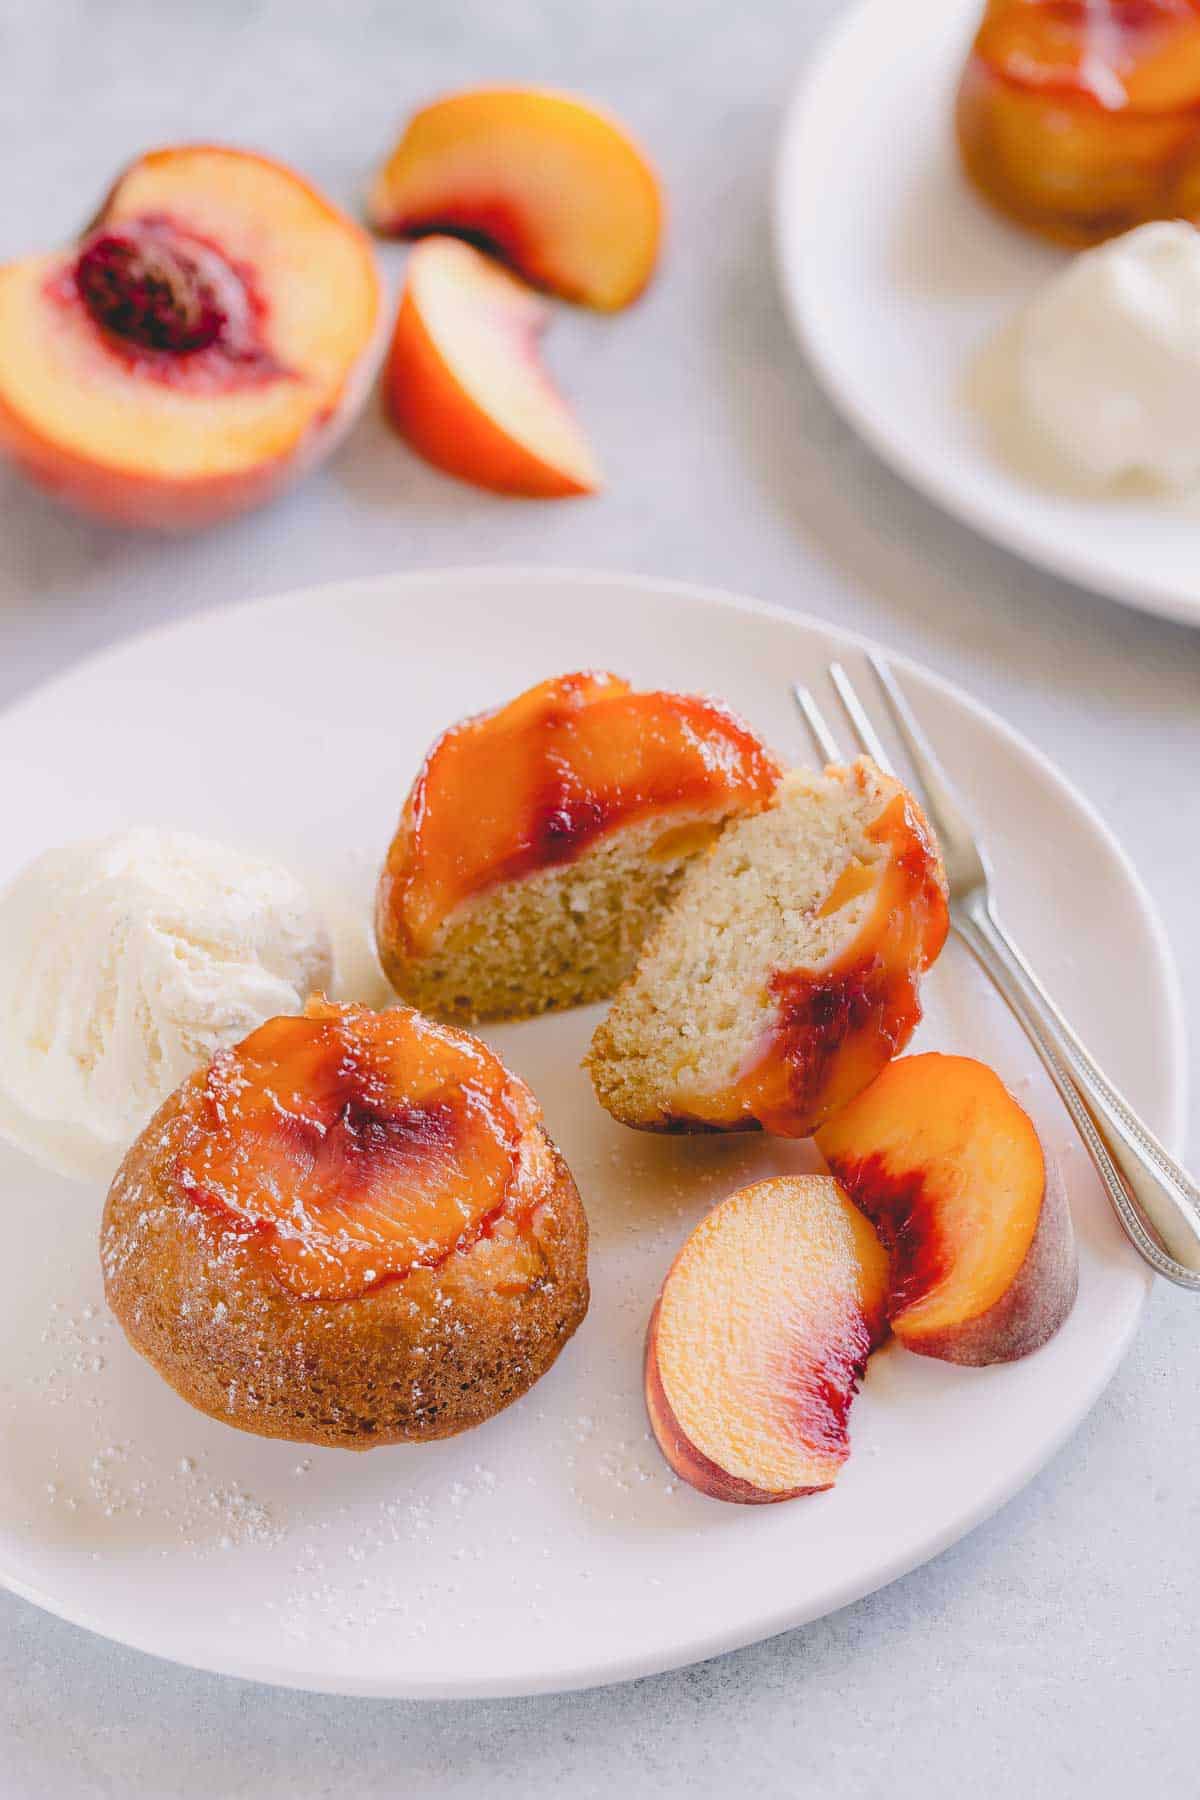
x=760 y=1337
x=206 y=342
x=465 y=384
x=949 y=1168
x=552 y=184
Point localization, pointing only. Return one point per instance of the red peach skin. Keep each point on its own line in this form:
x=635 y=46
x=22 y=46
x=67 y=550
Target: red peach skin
x=552 y=184
x=949 y=1168
x=760 y=1337
x=1030 y=1311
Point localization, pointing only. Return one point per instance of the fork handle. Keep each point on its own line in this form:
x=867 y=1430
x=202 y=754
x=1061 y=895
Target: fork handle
x=1156 y=1200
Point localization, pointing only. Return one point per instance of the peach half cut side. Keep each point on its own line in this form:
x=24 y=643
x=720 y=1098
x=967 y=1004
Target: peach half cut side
x=548 y=182
x=759 y=1339
x=205 y=343
x=465 y=383
x=950 y=1170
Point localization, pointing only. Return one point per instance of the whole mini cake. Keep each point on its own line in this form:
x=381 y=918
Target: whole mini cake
x=350 y=1229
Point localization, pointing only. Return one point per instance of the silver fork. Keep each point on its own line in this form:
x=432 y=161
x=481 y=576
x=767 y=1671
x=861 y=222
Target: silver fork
x=1156 y=1201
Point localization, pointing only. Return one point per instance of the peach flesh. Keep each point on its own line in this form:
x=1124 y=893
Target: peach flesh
x=548 y=182
x=759 y=1339
x=209 y=339
x=949 y=1168
x=466 y=387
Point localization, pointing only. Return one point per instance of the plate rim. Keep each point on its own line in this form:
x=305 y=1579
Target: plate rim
x=1039 y=550
x=719 y=1641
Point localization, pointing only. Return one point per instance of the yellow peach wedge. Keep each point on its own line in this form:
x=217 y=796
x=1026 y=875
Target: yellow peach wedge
x=949 y=1168
x=465 y=383
x=548 y=182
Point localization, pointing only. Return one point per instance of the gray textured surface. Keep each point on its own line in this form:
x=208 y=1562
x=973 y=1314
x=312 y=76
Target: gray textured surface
x=1054 y=1652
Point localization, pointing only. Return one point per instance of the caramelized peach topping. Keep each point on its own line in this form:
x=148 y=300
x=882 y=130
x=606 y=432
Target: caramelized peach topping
x=1081 y=118
x=835 y=1028
x=549 y=774
x=551 y=183
x=357 y=1145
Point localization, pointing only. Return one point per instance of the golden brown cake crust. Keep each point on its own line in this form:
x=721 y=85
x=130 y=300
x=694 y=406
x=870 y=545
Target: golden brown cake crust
x=418 y=1358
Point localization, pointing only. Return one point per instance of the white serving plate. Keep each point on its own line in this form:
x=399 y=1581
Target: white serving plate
x=898 y=279
x=551 y=1548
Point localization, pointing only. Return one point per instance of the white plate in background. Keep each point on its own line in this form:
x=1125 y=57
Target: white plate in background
x=897 y=277
x=551 y=1548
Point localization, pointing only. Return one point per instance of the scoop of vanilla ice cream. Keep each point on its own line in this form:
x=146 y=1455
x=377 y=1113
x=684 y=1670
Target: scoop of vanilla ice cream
x=1109 y=358
x=124 y=964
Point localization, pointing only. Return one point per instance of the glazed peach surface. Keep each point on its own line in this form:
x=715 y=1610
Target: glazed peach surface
x=534 y=783
x=554 y=185
x=760 y=1337
x=465 y=383
x=203 y=344
x=356 y=1146
x=1081 y=118
x=835 y=1027
x=351 y=1229
x=949 y=1168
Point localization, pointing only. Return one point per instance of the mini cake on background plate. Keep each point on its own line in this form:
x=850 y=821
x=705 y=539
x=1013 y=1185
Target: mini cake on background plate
x=541 y=841
x=786 y=973
x=351 y=1229
x=1081 y=120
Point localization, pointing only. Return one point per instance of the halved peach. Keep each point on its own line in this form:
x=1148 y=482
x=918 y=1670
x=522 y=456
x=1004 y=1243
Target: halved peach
x=551 y=183
x=760 y=1337
x=950 y=1170
x=465 y=383
x=206 y=342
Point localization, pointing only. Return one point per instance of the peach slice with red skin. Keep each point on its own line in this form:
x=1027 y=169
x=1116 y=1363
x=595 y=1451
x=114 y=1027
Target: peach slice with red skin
x=549 y=182
x=466 y=386
x=950 y=1170
x=759 y=1338
x=208 y=340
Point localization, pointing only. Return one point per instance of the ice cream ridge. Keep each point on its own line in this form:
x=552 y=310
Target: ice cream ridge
x=126 y=962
